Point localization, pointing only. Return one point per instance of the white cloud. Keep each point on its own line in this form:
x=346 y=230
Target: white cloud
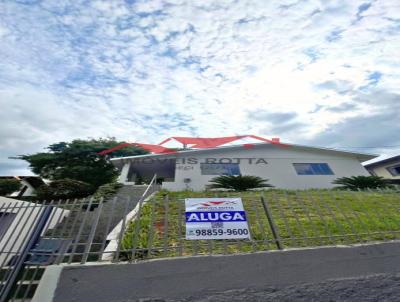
x=143 y=70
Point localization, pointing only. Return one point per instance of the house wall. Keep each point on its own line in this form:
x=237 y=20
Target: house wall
x=383 y=172
x=30 y=191
x=26 y=215
x=279 y=169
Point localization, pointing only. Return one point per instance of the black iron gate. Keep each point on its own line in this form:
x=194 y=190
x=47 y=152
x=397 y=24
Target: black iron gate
x=39 y=234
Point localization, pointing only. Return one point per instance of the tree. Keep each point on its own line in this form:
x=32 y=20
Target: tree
x=360 y=182
x=8 y=186
x=238 y=183
x=79 y=160
x=64 y=189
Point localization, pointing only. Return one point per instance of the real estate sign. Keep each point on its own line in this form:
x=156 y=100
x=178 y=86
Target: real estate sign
x=215 y=218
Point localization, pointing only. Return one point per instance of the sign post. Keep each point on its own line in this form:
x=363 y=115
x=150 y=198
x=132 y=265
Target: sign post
x=215 y=218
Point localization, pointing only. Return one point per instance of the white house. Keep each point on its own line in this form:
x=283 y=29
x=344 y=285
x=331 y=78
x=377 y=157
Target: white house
x=286 y=166
x=29 y=184
x=388 y=168
x=17 y=220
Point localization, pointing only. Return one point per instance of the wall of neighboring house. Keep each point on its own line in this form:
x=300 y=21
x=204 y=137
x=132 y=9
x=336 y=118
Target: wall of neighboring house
x=22 y=217
x=26 y=188
x=382 y=170
x=278 y=169
x=30 y=190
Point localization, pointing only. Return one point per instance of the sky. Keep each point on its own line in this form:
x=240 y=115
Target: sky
x=322 y=73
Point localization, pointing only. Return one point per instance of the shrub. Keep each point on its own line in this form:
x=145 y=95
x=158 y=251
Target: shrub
x=107 y=190
x=238 y=183
x=361 y=182
x=64 y=189
x=143 y=236
x=160 y=180
x=8 y=186
x=139 y=180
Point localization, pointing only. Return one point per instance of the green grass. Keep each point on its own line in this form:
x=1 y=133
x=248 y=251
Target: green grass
x=303 y=219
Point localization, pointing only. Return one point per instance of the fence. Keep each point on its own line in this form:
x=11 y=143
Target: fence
x=38 y=234
x=146 y=225
x=277 y=220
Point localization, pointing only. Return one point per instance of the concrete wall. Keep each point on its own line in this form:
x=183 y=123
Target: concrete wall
x=279 y=168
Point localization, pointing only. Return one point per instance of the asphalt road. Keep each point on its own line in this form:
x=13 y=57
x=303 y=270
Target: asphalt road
x=358 y=273
x=373 y=288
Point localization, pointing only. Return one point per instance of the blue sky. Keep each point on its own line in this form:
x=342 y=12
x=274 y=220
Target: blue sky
x=311 y=72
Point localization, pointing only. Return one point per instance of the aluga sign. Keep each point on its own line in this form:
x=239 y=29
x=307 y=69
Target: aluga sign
x=215 y=218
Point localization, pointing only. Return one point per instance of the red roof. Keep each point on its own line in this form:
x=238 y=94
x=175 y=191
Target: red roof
x=212 y=142
x=195 y=142
x=148 y=147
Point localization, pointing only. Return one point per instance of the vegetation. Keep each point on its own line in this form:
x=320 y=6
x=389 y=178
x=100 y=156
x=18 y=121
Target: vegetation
x=361 y=182
x=238 y=183
x=8 y=186
x=106 y=191
x=139 y=180
x=79 y=160
x=143 y=230
x=303 y=219
x=64 y=189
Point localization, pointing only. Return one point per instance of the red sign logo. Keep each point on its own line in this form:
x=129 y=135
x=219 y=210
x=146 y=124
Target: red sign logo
x=215 y=203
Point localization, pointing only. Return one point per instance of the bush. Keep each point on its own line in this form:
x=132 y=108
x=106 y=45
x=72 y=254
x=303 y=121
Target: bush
x=107 y=190
x=8 y=186
x=64 y=189
x=355 y=183
x=143 y=236
x=238 y=183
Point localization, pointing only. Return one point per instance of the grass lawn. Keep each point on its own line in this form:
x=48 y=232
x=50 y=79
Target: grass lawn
x=302 y=218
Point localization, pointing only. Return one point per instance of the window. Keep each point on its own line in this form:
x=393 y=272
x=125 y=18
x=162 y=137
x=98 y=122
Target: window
x=313 y=169
x=220 y=169
x=395 y=170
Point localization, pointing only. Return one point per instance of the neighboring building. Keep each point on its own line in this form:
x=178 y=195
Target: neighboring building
x=285 y=166
x=29 y=184
x=17 y=220
x=388 y=168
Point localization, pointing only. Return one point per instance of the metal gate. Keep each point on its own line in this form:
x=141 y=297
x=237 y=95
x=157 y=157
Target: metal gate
x=38 y=234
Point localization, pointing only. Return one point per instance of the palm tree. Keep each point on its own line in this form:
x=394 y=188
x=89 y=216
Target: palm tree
x=360 y=182
x=238 y=183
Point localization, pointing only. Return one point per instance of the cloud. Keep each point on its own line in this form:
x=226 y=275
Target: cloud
x=143 y=70
x=277 y=123
x=272 y=117
x=339 y=86
x=361 y=132
x=378 y=131
x=342 y=108
x=282 y=123
x=287 y=128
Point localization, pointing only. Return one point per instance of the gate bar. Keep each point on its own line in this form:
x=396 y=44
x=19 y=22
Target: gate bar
x=19 y=265
x=272 y=224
